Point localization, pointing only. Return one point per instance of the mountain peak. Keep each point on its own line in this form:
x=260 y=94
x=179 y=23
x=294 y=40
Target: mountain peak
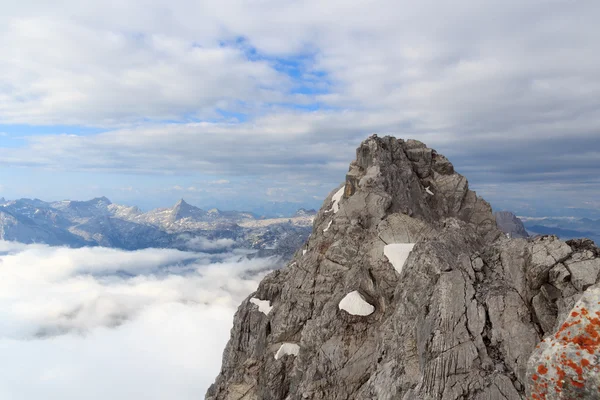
x=393 y=175
x=406 y=289
x=101 y=200
x=182 y=210
x=96 y=201
x=181 y=202
x=510 y=224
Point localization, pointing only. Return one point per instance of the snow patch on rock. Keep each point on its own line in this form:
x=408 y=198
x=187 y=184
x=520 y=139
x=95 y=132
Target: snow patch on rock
x=264 y=306
x=397 y=253
x=354 y=303
x=291 y=349
x=328 y=226
x=428 y=191
x=304 y=252
x=335 y=207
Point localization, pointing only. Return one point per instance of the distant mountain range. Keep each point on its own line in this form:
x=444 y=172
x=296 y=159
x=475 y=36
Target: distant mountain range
x=99 y=222
x=563 y=227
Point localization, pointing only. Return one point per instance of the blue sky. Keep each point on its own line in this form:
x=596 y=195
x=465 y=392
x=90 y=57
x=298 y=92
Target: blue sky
x=241 y=104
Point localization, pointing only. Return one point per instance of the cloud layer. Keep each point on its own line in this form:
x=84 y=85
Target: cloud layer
x=101 y=323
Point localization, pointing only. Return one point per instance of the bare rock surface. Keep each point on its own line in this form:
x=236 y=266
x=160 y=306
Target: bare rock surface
x=510 y=224
x=460 y=321
x=565 y=365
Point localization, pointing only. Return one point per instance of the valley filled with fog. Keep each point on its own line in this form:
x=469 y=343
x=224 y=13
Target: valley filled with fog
x=99 y=323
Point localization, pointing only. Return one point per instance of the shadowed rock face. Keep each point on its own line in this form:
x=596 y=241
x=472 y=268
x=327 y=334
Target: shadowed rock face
x=459 y=321
x=510 y=224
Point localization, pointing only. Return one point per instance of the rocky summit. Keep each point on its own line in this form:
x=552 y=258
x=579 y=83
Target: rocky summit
x=407 y=289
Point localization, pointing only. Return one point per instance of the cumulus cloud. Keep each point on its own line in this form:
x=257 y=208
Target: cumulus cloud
x=220 y=182
x=58 y=71
x=112 y=324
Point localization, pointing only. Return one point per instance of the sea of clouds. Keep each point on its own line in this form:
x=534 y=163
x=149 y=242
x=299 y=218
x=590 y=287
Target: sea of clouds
x=99 y=323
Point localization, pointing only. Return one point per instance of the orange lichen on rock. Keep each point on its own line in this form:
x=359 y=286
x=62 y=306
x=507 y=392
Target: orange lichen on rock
x=577 y=384
x=561 y=377
x=563 y=365
x=585 y=362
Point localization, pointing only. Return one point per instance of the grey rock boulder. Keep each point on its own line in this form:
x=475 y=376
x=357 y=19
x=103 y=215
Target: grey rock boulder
x=565 y=365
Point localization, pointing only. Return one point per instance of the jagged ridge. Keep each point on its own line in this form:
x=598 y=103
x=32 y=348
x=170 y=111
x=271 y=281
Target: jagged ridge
x=455 y=318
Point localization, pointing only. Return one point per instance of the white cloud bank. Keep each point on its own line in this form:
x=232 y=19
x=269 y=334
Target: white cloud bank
x=99 y=323
x=200 y=243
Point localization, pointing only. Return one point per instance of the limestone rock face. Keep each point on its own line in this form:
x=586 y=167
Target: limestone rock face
x=510 y=224
x=459 y=321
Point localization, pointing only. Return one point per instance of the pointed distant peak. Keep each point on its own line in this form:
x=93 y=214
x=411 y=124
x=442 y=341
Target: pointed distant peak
x=102 y=199
x=510 y=224
x=183 y=209
x=184 y=205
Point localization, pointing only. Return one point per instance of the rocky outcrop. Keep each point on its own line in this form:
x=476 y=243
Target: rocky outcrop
x=510 y=224
x=405 y=290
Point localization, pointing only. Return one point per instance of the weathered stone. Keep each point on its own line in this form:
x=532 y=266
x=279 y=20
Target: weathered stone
x=513 y=264
x=400 y=228
x=565 y=365
x=441 y=165
x=584 y=245
x=477 y=264
x=545 y=312
x=545 y=253
x=560 y=277
x=513 y=330
x=421 y=158
x=459 y=321
x=584 y=273
x=550 y=292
